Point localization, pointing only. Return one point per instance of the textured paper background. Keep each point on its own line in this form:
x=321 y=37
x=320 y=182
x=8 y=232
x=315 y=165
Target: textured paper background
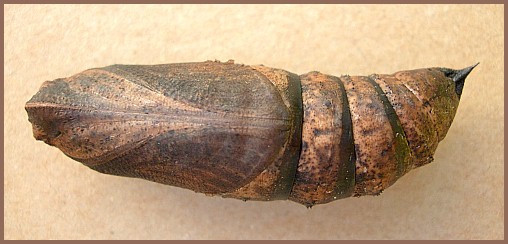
x=459 y=196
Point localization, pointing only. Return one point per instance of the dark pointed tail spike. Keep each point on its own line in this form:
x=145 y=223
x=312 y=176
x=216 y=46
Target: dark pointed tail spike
x=458 y=76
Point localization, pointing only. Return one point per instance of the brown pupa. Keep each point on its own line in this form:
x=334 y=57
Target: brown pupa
x=249 y=132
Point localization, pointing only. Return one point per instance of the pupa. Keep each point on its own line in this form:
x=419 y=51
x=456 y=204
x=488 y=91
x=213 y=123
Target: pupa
x=250 y=132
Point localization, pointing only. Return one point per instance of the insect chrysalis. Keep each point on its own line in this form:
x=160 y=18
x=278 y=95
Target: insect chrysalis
x=249 y=132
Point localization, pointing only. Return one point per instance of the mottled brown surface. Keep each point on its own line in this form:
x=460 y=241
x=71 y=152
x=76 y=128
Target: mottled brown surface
x=276 y=181
x=325 y=159
x=210 y=127
x=236 y=130
x=376 y=165
x=436 y=93
x=414 y=115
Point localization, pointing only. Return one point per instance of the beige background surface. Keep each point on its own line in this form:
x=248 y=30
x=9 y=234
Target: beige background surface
x=459 y=196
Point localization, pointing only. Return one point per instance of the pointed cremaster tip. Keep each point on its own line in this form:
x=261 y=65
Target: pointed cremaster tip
x=458 y=76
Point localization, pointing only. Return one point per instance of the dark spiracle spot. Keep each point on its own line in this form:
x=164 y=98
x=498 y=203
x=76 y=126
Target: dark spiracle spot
x=317 y=132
